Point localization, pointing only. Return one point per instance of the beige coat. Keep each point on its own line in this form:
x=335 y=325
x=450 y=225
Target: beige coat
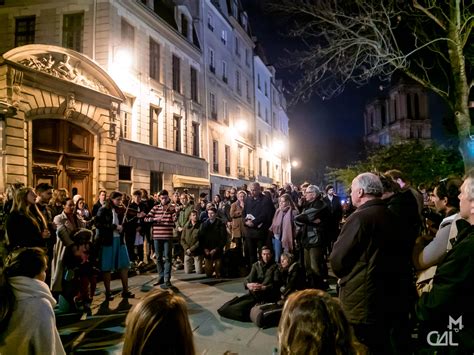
x=237 y=220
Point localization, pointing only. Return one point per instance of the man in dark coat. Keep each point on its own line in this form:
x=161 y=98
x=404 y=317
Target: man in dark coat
x=335 y=215
x=258 y=214
x=212 y=240
x=369 y=260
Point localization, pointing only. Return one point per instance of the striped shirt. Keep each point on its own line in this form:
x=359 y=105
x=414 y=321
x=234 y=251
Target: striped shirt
x=163 y=218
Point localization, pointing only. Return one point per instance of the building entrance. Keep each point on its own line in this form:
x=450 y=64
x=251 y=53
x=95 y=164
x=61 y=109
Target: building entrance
x=63 y=156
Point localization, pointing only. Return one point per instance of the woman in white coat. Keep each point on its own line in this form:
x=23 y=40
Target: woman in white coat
x=27 y=321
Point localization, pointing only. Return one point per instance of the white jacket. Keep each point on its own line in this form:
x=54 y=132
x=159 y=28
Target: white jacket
x=32 y=327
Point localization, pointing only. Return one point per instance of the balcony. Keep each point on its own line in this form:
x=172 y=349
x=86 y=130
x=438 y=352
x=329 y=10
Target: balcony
x=241 y=172
x=212 y=68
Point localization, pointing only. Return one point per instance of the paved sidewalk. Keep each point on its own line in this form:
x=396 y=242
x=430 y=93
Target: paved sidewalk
x=101 y=333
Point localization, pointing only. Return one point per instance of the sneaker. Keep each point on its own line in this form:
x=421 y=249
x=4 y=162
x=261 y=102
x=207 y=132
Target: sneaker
x=128 y=294
x=109 y=296
x=166 y=285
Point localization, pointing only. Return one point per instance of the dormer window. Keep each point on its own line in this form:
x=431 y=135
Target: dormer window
x=224 y=37
x=184 y=26
x=243 y=20
x=235 y=9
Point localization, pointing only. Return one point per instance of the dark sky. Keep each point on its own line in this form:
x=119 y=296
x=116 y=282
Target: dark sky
x=322 y=132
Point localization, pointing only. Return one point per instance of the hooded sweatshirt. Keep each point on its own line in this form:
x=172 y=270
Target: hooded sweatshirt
x=32 y=327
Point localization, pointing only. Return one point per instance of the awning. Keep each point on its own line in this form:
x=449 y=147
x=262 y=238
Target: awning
x=190 y=181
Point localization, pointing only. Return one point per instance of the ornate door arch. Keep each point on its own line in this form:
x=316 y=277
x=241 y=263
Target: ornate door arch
x=63 y=156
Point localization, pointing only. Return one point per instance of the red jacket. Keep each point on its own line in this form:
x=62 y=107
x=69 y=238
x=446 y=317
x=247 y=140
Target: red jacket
x=163 y=218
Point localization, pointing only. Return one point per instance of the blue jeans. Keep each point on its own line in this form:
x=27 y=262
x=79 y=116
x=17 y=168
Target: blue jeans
x=277 y=249
x=163 y=258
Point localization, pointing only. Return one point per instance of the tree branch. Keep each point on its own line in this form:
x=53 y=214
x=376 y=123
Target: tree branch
x=429 y=14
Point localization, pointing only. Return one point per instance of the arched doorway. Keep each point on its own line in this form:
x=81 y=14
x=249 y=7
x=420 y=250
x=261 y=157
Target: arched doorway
x=63 y=156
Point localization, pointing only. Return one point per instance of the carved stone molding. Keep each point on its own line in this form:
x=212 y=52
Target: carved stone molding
x=62 y=67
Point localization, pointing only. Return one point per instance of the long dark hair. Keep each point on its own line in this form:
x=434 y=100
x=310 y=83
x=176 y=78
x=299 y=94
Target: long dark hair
x=27 y=262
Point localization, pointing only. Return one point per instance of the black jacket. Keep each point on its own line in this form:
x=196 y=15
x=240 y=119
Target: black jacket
x=313 y=220
x=103 y=222
x=213 y=235
x=262 y=209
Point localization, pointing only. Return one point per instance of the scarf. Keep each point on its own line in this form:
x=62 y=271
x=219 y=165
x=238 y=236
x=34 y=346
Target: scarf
x=282 y=224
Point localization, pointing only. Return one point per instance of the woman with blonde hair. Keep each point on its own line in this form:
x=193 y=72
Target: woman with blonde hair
x=313 y=322
x=57 y=201
x=26 y=226
x=283 y=226
x=159 y=324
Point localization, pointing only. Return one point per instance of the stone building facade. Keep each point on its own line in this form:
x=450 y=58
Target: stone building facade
x=128 y=94
x=400 y=116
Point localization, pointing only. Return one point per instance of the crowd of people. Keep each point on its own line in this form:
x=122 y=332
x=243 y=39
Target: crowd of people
x=390 y=241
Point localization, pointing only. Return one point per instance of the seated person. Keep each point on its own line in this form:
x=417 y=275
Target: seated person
x=292 y=276
x=212 y=240
x=262 y=283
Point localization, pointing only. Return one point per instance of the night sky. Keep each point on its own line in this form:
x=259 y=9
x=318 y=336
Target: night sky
x=323 y=133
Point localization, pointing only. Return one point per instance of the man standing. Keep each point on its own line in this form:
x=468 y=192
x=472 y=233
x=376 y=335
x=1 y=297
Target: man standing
x=371 y=264
x=313 y=220
x=335 y=215
x=44 y=193
x=163 y=217
x=212 y=240
x=258 y=214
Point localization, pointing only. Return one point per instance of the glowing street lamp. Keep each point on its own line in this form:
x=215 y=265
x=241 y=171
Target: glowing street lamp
x=278 y=146
x=295 y=163
x=241 y=126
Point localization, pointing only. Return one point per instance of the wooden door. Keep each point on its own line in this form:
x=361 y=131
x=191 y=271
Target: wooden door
x=63 y=156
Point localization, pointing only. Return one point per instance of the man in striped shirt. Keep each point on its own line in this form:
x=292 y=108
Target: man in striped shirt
x=163 y=217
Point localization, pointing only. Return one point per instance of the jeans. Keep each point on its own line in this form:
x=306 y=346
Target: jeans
x=277 y=248
x=163 y=249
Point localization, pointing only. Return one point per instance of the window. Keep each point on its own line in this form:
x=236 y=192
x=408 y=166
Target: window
x=195 y=137
x=184 y=26
x=224 y=72
x=266 y=115
x=244 y=20
x=156 y=181
x=194 y=85
x=210 y=22
x=260 y=167
x=266 y=89
x=176 y=74
x=126 y=117
x=154 y=60
x=125 y=178
x=266 y=141
x=239 y=155
x=247 y=90
x=237 y=47
x=212 y=105
x=215 y=156
x=250 y=164
x=227 y=159
x=212 y=64
x=177 y=133
x=226 y=112
x=258 y=82
x=274 y=120
x=128 y=35
x=154 y=129
x=259 y=137
x=268 y=168
x=238 y=85
x=235 y=9
x=73 y=31
x=25 y=30
x=224 y=37
x=259 y=111
x=247 y=57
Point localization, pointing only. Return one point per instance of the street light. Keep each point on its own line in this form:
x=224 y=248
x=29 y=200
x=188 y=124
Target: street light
x=241 y=126
x=295 y=163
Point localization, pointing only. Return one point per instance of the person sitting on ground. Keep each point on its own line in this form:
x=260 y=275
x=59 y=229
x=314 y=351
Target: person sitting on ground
x=27 y=321
x=313 y=322
x=212 y=240
x=159 y=324
x=262 y=283
x=190 y=244
x=292 y=275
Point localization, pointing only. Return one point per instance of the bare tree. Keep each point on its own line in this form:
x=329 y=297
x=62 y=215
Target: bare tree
x=352 y=41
